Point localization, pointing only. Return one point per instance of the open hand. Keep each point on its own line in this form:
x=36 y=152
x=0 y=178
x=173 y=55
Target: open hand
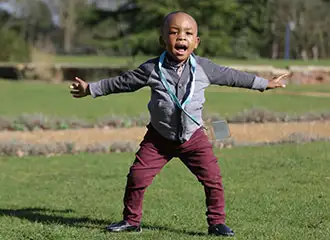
x=79 y=88
x=277 y=82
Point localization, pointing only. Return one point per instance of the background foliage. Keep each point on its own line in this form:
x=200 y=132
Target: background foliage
x=246 y=29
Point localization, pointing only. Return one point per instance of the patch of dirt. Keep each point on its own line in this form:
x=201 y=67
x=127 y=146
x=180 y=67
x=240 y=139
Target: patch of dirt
x=240 y=132
x=276 y=131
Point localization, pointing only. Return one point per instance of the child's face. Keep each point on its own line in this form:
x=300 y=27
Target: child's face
x=180 y=36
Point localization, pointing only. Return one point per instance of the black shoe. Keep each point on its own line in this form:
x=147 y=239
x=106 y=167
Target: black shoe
x=123 y=226
x=221 y=230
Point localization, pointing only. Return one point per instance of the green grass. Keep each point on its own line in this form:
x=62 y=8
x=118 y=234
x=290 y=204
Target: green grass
x=279 y=192
x=275 y=63
x=322 y=88
x=291 y=88
x=54 y=100
x=122 y=61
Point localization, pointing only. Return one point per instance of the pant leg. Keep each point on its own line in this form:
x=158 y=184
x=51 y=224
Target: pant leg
x=150 y=159
x=197 y=154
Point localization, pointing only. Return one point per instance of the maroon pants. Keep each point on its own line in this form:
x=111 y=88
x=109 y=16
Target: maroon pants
x=155 y=151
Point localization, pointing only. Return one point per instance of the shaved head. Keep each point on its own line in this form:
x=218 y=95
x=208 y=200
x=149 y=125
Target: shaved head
x=169 y=16
x=179 y=35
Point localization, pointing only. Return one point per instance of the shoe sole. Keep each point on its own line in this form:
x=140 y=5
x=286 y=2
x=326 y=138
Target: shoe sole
x=131 y=231
x=221 y=235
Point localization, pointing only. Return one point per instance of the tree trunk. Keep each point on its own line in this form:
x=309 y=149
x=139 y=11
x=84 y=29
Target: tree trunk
x=69 y=24
x=274 y=50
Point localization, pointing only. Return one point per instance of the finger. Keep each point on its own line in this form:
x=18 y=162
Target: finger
x=285 y=75
x=79 y=80
x=282 y=76
x=75 y=92
x=76 y=95
x=281 y=85
x=74 y=85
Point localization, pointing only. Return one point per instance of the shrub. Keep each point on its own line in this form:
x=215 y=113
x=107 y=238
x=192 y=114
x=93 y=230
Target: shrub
x=123 y=147
x=97 y=148
x=123 y=122
x=30 y=122
x=20 y=149
x=13 y=47
x=259 y=115
x=226 y=143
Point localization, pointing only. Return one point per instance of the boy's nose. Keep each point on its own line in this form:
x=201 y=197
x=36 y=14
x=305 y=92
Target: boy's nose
x=181 y=37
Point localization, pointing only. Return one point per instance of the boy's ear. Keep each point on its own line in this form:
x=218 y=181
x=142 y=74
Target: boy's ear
x=198 y=42
x=161 y=41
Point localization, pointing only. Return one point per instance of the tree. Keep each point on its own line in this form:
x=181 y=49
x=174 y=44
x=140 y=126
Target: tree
x=13 y=47
x=216 y=22
x=311 y=26
x=32 y=20
x=68 y=12
x=252 y=32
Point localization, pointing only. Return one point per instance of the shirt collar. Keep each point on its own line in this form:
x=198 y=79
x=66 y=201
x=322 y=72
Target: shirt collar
x=169 y=61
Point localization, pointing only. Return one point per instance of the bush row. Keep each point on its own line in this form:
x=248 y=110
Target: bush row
x=20 y=149
x=28 y=122
x=41 y=122
x=261 y=115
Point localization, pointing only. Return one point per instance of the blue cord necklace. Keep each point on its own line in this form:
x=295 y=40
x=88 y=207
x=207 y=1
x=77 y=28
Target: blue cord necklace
x=170 y=92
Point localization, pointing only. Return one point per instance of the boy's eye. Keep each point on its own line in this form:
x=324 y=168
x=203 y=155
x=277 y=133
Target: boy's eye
x=172 y=32
x=189 y=33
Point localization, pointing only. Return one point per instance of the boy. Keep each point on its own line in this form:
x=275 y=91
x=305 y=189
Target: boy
x=177 y=80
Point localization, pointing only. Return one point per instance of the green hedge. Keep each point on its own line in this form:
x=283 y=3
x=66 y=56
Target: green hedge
x=13 y=47
x=40 y=121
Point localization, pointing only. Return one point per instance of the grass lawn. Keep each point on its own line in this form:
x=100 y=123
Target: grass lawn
x=54 y=100
x=279 y=192
x=122 y=61
x=322 y=88
x=291 y=88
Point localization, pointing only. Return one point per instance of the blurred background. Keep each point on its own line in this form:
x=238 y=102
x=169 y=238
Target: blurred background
x=52 y=41
x=234 y=29
x=277 y=173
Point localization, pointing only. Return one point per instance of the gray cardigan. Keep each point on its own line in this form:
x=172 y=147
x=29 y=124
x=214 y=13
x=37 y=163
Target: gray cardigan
x=165 y=116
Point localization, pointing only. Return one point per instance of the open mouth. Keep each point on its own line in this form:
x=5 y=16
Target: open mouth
x=181 y=48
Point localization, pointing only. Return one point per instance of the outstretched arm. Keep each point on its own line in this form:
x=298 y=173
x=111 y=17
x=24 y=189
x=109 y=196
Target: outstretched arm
x=129 y=81
x=226 y=76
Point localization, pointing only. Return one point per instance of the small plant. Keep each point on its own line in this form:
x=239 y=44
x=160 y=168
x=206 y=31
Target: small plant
x=123 y=122
x=123 y=147
x=31 y=122
x=97 y=148
x=5 y=124
x=226 y=143
x=20 y=149
x=256 y=115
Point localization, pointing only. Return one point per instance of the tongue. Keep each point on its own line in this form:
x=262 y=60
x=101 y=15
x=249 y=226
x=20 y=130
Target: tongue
x=181 y=50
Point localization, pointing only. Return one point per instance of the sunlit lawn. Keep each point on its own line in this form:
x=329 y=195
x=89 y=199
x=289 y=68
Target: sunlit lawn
x=54 y=100
x=279 y=192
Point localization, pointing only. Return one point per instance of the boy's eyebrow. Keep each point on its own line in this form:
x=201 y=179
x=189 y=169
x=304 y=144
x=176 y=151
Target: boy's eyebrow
x=177 y=27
